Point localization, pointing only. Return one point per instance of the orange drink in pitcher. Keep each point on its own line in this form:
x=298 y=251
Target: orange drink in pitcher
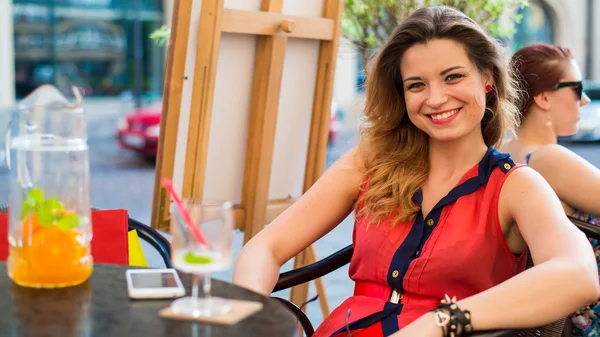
x=48 y=248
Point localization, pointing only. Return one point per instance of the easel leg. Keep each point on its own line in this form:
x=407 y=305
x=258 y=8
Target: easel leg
x=312 y=257
x=299 y=293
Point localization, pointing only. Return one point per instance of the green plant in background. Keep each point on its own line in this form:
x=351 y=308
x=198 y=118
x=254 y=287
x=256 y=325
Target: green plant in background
x=368 y=23
x=161 y=35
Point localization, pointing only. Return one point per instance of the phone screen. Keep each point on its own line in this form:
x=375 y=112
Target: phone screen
x=153 y=280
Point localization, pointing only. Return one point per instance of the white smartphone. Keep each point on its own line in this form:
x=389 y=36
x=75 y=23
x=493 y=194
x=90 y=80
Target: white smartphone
x=153 y=283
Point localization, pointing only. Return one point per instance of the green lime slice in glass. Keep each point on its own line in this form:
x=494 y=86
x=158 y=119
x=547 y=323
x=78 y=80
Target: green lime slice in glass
x=196 y=259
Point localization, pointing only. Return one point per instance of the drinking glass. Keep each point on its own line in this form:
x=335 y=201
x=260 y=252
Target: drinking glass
x=216 y=223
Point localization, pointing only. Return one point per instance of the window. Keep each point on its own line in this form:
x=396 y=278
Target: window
x=535 y=26
x=88 y=43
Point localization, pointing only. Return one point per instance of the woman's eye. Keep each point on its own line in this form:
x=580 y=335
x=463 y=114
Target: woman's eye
x=414 y=85
x=453 y=77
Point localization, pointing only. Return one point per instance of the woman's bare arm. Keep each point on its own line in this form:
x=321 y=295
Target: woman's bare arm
x=565 y=275
x=575 y=180
x=316 y=213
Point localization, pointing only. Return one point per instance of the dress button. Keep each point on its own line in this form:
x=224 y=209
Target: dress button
x=430 y=222
x=395 y=274
x=417 y=253
x=507 y=166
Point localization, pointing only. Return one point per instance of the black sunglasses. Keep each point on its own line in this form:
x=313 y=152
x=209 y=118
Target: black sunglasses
x=577 y=86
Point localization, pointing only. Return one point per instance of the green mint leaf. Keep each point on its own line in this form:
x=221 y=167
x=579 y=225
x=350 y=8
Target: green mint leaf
x=68 y=221
x=36 y=195
x=196 y=259
x=54 y=204
x=49 y=211
x=46 y=215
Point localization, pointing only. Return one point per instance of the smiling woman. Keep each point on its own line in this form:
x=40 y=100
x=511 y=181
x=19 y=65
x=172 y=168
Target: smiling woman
x=456 y=86
x=465 y=96
x=444 y=222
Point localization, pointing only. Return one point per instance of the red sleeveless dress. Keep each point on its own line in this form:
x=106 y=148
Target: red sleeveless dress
x=403 y=272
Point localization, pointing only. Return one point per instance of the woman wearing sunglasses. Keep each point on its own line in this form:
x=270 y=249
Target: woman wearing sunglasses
x=553 y=99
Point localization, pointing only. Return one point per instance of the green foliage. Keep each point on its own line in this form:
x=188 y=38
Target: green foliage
x=368 y=23
x=161 y=35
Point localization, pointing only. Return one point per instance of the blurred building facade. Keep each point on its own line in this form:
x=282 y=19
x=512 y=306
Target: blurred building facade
x=570 y=23
x=103 y=45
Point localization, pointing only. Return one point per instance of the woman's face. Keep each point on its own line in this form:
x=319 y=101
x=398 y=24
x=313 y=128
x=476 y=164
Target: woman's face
x=565 y=104
x=444 y=91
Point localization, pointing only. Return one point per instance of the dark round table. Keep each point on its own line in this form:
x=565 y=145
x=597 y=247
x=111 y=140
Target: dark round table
x=101 y=307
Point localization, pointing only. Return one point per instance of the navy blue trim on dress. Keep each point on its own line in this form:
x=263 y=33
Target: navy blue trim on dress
x=401 y=258
x=389 y=325
x=390 y=310
x=423 y=227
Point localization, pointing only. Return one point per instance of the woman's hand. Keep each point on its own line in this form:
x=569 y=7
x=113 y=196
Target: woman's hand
x=424 y=326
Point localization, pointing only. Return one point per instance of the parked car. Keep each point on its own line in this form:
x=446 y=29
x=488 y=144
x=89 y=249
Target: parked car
x=589 y=124
x=138 y=131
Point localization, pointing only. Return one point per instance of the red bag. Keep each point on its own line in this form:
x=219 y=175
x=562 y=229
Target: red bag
x=109 y=243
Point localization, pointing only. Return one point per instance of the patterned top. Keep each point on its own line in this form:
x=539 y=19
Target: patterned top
x=586 y=321
x=401 y=272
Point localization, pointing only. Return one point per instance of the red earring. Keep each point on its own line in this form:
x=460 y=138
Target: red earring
x=488 y=88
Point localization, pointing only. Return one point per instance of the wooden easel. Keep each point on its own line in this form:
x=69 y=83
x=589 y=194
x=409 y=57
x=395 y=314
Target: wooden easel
x=273 y=30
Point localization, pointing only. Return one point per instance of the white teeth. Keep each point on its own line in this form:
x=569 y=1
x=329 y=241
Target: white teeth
x=444 y=115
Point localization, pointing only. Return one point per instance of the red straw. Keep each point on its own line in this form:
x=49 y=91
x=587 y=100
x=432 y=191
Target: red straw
x=168 y=184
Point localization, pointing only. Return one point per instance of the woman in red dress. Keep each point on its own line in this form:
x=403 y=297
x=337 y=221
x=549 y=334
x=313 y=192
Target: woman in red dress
x=439 y=212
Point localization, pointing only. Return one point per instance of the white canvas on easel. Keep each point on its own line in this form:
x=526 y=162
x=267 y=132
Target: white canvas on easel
x=232 y=101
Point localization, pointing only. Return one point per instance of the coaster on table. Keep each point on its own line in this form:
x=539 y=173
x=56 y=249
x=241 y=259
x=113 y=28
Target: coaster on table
x=239 y=311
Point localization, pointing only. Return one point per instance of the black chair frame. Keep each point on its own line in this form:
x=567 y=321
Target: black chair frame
x=154 y=238
x=342 y=257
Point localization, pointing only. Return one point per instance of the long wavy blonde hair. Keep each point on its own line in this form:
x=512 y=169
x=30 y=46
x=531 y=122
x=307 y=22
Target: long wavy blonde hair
x=397 y=151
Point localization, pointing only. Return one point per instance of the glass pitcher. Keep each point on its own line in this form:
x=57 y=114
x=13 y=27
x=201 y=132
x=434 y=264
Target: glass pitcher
x=50 y=229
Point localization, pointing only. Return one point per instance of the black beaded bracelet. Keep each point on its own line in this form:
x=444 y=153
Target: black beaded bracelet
x=453 y=321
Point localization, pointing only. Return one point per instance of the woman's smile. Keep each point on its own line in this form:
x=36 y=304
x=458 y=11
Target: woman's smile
x=444 y=117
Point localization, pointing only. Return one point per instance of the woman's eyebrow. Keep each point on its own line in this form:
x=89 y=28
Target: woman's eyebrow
x=445 y=71
x=442 y=73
